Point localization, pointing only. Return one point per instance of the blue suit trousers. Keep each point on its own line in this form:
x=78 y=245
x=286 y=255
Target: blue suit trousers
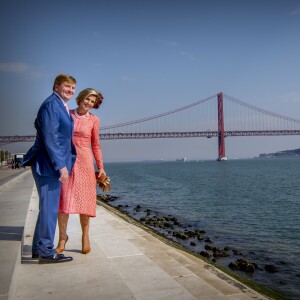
x=49 y=192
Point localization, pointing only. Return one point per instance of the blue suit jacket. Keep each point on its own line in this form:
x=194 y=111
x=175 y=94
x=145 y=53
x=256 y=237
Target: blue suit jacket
x=53 y=148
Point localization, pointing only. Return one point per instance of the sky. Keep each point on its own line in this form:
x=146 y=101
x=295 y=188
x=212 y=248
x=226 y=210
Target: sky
x=150 y=57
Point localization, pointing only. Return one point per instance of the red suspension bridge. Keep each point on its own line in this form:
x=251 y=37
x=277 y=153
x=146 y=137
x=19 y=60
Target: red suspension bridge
x=217 y=116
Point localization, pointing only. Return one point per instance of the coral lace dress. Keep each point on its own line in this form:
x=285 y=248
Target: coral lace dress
x=78 y=194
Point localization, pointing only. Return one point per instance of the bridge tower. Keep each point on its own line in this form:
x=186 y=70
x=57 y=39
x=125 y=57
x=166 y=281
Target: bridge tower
x=221 y=137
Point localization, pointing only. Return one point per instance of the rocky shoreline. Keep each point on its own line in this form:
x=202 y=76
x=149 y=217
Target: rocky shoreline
x=196 y=240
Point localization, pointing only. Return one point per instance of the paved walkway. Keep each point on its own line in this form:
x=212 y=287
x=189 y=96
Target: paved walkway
x=126 y=262
x=15 y=193
x=8 y=175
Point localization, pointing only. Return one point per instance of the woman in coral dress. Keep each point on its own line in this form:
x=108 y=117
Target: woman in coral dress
x=78 y=194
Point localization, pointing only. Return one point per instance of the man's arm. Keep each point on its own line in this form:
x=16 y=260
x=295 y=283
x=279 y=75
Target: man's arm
x=51 y=125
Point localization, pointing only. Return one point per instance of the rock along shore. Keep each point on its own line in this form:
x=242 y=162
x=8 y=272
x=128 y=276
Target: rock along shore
x=197 y=242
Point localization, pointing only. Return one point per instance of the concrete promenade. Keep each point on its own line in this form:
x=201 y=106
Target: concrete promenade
x=126 y=262
x=15 y=194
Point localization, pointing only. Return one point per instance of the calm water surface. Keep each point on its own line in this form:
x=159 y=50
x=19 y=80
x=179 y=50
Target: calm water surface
x=249 y=205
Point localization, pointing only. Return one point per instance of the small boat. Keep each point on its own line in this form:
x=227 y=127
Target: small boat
x=222 y=158
x=181 y=159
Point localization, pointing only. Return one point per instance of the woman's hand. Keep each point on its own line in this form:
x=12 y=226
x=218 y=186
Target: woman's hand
x=101 y=171
x=103 y=181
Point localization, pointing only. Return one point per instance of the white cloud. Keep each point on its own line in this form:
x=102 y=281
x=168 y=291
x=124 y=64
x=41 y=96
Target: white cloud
x=22 y=68
x=171 y=43
x=295 y=12
x=189 y=55
x=293 y=97
x=14 y=67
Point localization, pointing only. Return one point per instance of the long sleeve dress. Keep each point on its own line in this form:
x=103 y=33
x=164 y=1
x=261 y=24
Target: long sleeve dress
x=78 y=194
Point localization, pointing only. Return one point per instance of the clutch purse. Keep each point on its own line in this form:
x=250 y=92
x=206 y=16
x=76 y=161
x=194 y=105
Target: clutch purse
x=103 y=182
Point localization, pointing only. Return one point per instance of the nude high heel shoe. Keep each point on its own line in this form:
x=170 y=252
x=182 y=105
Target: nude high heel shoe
x=61 y=245
x=63 y=237
x=85 y=246
x=85 y=224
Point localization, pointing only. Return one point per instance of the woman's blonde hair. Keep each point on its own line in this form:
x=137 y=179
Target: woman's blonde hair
x=60 y=78
x=88 y=92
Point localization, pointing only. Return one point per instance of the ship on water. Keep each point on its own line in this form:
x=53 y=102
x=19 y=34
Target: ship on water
x=181 y=159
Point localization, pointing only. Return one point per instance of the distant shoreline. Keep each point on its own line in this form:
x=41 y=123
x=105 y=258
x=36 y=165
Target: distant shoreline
x=295 y=153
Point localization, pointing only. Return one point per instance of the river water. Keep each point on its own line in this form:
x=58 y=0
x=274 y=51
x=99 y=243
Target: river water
x=251 y=206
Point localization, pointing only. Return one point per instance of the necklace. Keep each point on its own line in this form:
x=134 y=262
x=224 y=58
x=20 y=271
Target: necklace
x=79 y=116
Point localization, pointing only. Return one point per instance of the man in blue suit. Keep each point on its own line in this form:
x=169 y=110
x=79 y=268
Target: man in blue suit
x=51 y=159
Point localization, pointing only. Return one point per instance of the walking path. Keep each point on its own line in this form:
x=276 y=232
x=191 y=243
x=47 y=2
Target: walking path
x=15 y=193
x=126 y=262
x=8 y=175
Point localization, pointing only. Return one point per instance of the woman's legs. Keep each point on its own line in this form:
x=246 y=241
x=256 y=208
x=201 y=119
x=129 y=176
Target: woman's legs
x=85 y=226
x=63 y=237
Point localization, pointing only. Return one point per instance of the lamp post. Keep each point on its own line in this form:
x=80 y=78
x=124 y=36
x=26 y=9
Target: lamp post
x=1 y=150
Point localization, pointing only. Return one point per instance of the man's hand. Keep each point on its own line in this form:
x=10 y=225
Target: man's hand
x=64 y=174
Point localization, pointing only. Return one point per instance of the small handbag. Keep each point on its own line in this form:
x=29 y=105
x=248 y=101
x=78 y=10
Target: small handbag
x=103 y=182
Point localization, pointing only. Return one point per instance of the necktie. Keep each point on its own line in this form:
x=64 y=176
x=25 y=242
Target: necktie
x=67 y=108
